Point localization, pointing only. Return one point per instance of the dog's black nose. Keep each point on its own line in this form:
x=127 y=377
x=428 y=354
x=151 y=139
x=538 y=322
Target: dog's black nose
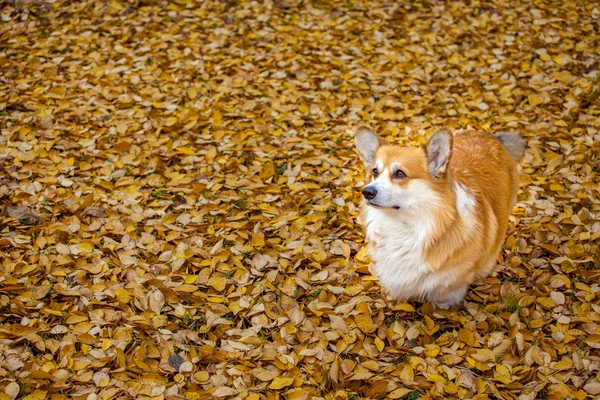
x=369 y=193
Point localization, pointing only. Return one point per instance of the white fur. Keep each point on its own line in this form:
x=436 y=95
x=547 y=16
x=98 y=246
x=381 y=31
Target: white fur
x=465 y=205
x=398 y=239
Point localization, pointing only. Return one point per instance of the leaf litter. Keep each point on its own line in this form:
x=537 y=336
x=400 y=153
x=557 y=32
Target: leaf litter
x=179 y=197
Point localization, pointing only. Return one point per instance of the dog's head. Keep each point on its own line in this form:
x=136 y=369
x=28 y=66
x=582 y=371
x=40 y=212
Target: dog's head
x=404 y=178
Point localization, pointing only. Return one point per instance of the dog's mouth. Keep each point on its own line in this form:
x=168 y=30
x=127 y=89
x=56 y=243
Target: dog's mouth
x=370 y=203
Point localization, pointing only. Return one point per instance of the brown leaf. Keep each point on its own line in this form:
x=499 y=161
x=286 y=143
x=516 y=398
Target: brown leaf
x=264 y=374
x=189 y=185
x=92 y=211
x=176 y=361
x=24 y=214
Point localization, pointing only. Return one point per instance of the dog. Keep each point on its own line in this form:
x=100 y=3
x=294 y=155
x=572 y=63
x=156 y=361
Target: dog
x=435 y=216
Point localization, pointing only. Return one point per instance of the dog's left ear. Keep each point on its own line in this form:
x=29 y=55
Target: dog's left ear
x=439 y=151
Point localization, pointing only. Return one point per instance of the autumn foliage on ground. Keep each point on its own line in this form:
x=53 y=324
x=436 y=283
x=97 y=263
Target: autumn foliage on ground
x=179 y=194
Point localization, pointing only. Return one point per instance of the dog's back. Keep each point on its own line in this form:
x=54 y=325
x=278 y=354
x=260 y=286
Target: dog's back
x=487 y=166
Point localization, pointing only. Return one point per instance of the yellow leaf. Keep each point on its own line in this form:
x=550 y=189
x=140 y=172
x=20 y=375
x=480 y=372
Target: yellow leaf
x=437 y=378
x=192 y=93
x=122 y=296
x=268 y=170
x=535 y=99
x=258 y=240
x=235 y=307
x=36 y=395
x=219 y=299
x=379 y=344
x=477 y=364
x=86 y=246
x=188 y=151
x=363 y=255
x=593 y=341
x=536 y=323
x=186 y=288
x=280 y=383
x=454 y=59
x=202 y=376
x=432 y=351
x=563 y=364
x=217 y=283
x=562 y=123
x=83 y=327
x=371 y=365
x=584 y=236
x=211 y=153
x=451 y=388
x=171 y=121
x=467 y=336
x=402 y=306
x=365 y=323
x=57 y=91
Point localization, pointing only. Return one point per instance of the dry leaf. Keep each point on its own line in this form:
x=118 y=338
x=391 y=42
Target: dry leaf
x=12 y=390
x=200 y=194
x=24 y=214
x=224 y=391
x=280 y=383
x=98 y=212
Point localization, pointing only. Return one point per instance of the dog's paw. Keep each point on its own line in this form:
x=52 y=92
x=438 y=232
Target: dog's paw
x=446 y=305
x=450 y=300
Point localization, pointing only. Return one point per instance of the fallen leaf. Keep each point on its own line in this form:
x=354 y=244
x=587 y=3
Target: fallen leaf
x=24 y=214
x=280 y=383
x=175 y=360
x=91 y=211
x=181 y=202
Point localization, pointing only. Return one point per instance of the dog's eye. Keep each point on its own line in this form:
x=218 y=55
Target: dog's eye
x=399 y=174
x=375 y=172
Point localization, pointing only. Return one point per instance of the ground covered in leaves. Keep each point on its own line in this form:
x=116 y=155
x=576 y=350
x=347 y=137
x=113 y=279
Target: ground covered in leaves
x=179 y=194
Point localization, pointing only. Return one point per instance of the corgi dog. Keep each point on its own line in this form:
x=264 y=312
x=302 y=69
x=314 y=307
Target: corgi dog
x=435 y=217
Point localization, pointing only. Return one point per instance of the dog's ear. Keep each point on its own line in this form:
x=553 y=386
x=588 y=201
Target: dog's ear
x=367 y=142
x=439 y=151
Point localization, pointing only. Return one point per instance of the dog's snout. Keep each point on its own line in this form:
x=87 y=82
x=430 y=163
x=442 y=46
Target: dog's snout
x=369 y=193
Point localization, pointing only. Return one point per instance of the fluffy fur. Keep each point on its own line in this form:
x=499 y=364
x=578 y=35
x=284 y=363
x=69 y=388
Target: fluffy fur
x=436 y=216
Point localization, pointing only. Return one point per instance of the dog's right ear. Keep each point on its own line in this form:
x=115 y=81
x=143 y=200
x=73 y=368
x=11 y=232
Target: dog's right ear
x=367 y=142
x=439 y=151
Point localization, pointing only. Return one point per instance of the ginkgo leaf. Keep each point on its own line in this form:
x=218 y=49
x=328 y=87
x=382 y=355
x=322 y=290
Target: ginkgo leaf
x=535 y=100
x=181 y=212
x=280 y=383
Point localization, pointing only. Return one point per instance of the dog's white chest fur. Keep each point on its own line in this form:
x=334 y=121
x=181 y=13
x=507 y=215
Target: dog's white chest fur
x=397 y=254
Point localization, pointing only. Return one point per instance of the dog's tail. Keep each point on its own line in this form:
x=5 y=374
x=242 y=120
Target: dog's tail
x=513 y=144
